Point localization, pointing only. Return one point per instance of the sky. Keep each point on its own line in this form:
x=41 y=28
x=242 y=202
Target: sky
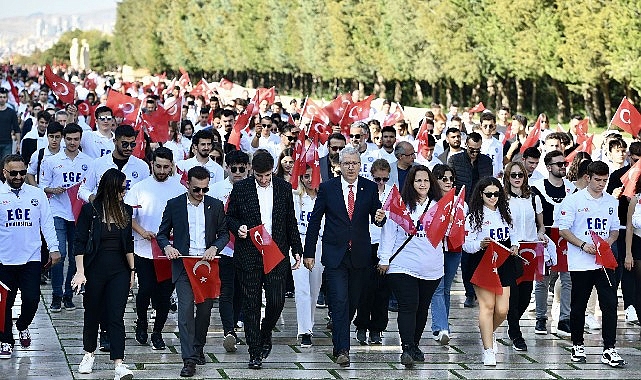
x=27 y=7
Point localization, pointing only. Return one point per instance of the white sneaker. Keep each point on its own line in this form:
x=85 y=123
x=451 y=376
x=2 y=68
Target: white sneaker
x=121 y=372
x=443 y=337
x=631 y=315
x=495 y=345
x=6 y=350
x=611 y=357
x=86 y=365
x=591 y=322
x=489 y=357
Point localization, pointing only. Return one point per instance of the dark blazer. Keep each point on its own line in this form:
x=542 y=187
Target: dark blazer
x=93 y=217
x=462 y=165
x=339 y=229
x=243 y=208
x=175 y=219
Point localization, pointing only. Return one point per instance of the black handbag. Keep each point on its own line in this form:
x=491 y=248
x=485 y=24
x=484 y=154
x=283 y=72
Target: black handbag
x=89 y=243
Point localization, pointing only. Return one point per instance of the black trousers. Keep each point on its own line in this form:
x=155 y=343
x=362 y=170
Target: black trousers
x=371 y=313
x=230 y=301
x=582 y=283
x=105 y=294
x=519 y=300
x=466 y=273
x=252 y=283
x=623 y=276
x=150 y=290
x=414 y=296
x=26 y=278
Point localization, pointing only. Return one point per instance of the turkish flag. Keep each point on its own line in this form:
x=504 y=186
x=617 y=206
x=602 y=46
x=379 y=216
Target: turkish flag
x=436 y=222
x=184 y=80
x=627 y=118
x=582 y=130
x=226 y=84
x=561 y=251
x=336 y=108
x=268 y=94
x=477 y=108
x=272 y=255
x=125 y=103
x=423 y=142
x=533 y=137
x=630 y=178
x=158 y=124
x=14 y=91
x=357 y=111
x=486 y=275
x=534 y=268
x=141 y=144
x=4 y=294
x=174 y=108
x=183 y=176
x=162 y=265
x=300 y=159
x=84 y=108
x=64 y=90
x=604 y=255
x=398 y=212
x=314 y=111
x=76 y=203
x=508 y=135
x=320 y=129
x=456 y=234
x=394 y=117
x=241 y=122
x=90 y=84
x=202 y=88
x=203 y=276
x=585 y=146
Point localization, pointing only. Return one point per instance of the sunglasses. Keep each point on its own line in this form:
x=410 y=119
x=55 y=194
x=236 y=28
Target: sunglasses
x=560 y=165
x=239 y=169
x=447 y=179
x=356 y=136
x=266 y=125
x=488 y=126
x=291 y=138
x=494 y=194
x=199 y=189
x=217 y=159
x=105 y=118
x=14 y=173
x=473 y=150
x=337 y=148
x=127 y=144
x=379 y=179
x=517 y=175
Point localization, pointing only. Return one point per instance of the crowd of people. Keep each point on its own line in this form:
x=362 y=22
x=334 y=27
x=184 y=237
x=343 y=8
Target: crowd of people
x=198 y=195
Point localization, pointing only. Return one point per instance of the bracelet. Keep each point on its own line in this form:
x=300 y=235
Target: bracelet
x=582 y=245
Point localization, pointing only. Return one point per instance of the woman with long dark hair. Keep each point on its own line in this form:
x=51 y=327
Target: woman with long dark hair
x=489 y=219
x=105 y=265
x=414 y=269
x=285 y=164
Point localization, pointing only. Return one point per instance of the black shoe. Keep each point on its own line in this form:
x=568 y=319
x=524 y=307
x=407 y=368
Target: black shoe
x=519 y=344
x=289 y=294
x=56 y=304
x=105 y=344
x=392 y=305
x=406 y=357
x=417 y=354
x=189 y=369
x=255 y=363
x=342 y=359
x=201 y=358
x=563 y=327
x=267 y=347
x=173 y=304
x=320 y=302
x=541 y=326
x=306 y=340
x=375 y=337
x=157 y=342
x=43 y=279
x=361 y=336
x=141 y=332
x=470 y=301
x=330 y=325
x=68 y=303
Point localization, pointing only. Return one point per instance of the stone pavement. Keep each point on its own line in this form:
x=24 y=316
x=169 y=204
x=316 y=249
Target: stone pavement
x=57 y=350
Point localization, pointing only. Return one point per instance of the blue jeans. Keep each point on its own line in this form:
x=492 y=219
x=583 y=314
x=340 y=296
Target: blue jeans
x=5 y=149
x=65 y=231
x=441 y=297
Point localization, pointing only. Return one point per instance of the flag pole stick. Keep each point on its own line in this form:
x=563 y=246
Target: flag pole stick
x=607 y=276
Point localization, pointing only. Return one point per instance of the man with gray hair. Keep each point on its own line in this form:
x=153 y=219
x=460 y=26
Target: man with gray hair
x=346 y=244
x=405 y=155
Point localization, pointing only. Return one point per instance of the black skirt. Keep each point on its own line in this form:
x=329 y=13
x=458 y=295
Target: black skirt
x=511 y=269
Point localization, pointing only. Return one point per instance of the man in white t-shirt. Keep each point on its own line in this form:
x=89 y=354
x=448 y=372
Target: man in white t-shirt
x=388 y=140
x=148 y=199
x=101 y=141
x=490 y=146
x=201 y=143
x=587 y=211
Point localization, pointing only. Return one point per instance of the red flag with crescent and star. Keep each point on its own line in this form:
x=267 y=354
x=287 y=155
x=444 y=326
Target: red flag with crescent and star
x=630 y=178
x=141 y=144
x=486 y=275
x=357 y=111
x=561 y=251
x=128 y=105
x=398 y=211
x=184 y=80
x=173 y=106
x=226 y=84
x=534 y=267
x=337 y=108
x=436 y=222
x=268 y=94
x=455 y=236
x=604 y=255
x=203 y=276
x=477 y=108
x=533 y=137
x=4 y=294
x=272 y=256
x=314 y=111
x=241 y=122
x=585 y=146
x=627 y=118
x=158 y=124
x=64 y=90
x=76 y=203
x=162 y=265
x=582 y=130
x=394 y=117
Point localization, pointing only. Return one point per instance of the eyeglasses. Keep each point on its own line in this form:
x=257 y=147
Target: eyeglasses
x=474 y=150
x=346 y=163
x=356 y=136
x=560 y=165
x=291 y=138
x=105 y=118
x=447 y=179
x=517 y=175
x=494 y=194
x=379 y=179
x=409 y=155
x=487 y=126
x=337 y=148
x=199 y=189
x=127 y=144
x=14 y=173
x=239 y=169
x=266 y=125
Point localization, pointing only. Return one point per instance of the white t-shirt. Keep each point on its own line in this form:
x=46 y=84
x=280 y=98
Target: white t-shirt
x=61 y=171
x=221 y=190
x=524 y=218
x=135 y=170
x=493 y=149
x=493 y=227
x=389 y=157
x=179 y=149
x=581 y=213
x=95 y=145
x=367 y=159
x=148 y=199
x=636 y=217
x=374 y=230
x=216 y=172
x=33 y=161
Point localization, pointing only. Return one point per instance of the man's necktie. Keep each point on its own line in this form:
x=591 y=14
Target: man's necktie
x=350 y=202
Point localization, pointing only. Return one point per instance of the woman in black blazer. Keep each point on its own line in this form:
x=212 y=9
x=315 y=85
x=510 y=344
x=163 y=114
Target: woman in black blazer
x=105 y=267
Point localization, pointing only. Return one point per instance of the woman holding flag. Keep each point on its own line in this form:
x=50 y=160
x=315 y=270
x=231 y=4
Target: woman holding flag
x=527 y=226
x=413 y=265
x=489 y=222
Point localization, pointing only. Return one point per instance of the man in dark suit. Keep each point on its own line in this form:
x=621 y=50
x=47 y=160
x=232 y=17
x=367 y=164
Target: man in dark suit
x=348 y=203
x=198 y=224
x=268 y=200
